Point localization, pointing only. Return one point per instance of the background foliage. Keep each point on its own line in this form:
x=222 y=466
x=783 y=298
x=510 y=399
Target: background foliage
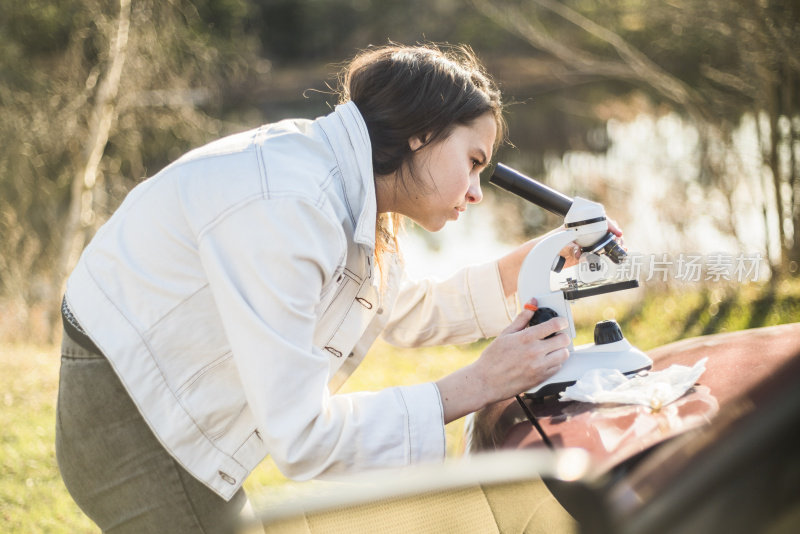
x=97 y=95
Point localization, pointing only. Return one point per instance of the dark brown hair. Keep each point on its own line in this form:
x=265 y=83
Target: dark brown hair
x=407 y=91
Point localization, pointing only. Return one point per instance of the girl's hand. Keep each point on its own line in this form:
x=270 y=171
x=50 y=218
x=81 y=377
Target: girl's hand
x=520 y=357
x=613 y=227
x=572 y=252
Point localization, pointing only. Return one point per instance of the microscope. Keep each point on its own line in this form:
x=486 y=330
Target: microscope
x=585 y=224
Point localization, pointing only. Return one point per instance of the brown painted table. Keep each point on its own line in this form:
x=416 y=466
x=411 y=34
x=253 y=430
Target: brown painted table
x=737 y=362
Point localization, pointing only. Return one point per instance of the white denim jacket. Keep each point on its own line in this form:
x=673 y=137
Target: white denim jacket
x=236 y=290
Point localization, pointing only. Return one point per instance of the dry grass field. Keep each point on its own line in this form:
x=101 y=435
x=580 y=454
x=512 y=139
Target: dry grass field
x=33 y=498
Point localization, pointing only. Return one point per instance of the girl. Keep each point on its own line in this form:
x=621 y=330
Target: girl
x=212 y=318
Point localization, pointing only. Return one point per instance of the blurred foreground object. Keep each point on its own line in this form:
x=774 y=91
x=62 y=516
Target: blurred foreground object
x=493 y=492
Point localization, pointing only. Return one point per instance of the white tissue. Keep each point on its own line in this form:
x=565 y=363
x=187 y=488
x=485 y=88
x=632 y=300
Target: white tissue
x=655 y=389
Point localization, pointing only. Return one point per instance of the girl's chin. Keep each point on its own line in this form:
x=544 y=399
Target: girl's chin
x=434 y=223
x=433 y=226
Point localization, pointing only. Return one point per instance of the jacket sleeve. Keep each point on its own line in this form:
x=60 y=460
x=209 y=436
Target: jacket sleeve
x=266 y=288
x=468 y=306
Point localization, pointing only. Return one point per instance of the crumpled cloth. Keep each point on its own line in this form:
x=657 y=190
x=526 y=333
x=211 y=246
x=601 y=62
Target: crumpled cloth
x=655 y=389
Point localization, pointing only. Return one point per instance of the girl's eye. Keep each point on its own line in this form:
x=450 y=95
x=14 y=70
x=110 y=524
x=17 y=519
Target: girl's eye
x=475 y=163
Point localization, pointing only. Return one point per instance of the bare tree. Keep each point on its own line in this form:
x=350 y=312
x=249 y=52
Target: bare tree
x=80 y=214
x=127 y=87
x=761 y=76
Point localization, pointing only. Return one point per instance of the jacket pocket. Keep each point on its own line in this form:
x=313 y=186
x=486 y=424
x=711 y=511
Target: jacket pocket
x=214 y=397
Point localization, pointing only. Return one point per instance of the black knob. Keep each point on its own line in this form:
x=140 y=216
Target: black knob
x=607 y=332
x=543 y=315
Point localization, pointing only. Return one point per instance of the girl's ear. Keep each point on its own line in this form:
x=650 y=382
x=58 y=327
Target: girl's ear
x=418 y=141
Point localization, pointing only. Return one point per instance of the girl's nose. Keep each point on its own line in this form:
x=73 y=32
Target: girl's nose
x=474 y=193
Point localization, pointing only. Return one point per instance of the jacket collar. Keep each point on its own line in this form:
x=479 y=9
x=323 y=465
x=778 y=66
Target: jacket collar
x=348 y=136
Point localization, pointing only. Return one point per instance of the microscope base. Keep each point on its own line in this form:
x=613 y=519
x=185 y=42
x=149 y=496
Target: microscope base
x=619 y=355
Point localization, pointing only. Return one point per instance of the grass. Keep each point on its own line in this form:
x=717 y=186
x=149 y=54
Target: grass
x=33 y=498
x=686 y=311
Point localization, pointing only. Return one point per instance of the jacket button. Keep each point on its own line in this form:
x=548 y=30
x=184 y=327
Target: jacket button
x=350 y=355
x=227 y=478
x=379 y=311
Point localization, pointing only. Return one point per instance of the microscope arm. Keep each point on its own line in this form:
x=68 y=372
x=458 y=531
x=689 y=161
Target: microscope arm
x=534 y=275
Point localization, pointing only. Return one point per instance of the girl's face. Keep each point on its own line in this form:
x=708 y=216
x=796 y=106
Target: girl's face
x=449 y=174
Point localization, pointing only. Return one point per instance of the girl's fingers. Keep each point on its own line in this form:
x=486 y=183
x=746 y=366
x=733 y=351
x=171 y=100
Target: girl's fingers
x=523 y=318
x=542 y=330
x=614 y=228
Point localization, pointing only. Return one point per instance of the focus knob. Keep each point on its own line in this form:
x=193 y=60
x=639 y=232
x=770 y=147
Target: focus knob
x=607 y=332
x=542 y=315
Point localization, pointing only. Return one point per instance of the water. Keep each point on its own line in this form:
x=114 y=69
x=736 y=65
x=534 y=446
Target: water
x=649 y=182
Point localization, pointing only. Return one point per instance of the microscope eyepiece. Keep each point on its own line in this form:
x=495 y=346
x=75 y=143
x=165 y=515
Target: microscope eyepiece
x=526 y=187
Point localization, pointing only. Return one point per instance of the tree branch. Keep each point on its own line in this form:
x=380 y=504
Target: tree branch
x=634 y=65
x=103 y=116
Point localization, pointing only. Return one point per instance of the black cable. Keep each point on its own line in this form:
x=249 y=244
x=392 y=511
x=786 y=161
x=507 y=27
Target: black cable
x=534 y=422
